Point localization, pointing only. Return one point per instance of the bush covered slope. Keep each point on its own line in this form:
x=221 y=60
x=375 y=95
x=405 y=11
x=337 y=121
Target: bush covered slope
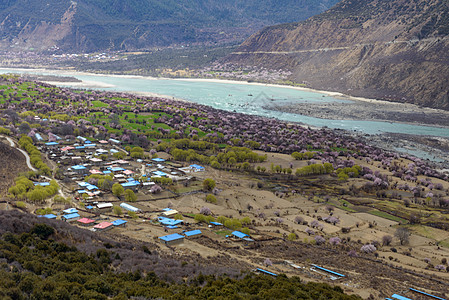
x=88 y=25
x=394 y=50
x=36 y=262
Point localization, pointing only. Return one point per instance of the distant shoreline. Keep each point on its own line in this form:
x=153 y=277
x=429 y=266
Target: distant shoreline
x=214 y=80
x=360 y=105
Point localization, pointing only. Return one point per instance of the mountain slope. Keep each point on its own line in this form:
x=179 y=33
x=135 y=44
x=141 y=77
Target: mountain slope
x=90 y=25
x=395 y=50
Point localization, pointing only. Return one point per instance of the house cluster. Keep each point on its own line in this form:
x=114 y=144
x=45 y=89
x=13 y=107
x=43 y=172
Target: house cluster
x=87 y=219
x=82 y=157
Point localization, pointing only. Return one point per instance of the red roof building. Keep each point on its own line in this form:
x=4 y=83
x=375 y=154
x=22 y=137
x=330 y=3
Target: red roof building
x=103 y=226
x=85 y=221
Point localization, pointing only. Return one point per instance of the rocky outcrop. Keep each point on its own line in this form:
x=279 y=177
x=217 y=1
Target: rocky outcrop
x=394 y=50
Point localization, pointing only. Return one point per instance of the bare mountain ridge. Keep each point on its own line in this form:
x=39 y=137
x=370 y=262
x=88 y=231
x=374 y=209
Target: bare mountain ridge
x=97 y=25
x=395 y=50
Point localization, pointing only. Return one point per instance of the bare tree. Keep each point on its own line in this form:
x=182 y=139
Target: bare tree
x=403 y=234
x=386 y=240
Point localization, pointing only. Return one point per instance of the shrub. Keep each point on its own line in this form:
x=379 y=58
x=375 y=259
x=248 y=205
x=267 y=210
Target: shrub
x=319 y=240
x=21 y=204
x=200 y=218
x=292 y=236
x=245 y=230
x=368 y=248
x=298 y=220
x=205 y=211
x=334 y=240
x=211 y=199
x=267 y=262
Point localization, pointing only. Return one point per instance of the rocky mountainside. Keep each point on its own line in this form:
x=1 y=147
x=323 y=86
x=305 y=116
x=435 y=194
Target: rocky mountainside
x=390 y=49
x=92 y=25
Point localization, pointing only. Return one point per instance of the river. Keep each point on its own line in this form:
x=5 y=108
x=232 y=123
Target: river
x=240 y=97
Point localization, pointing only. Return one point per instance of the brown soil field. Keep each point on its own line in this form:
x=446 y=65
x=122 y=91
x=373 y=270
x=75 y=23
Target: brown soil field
x=269 y=201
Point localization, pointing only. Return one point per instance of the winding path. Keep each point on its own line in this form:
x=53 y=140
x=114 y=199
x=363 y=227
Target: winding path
x=28 y=161
x=27 y=157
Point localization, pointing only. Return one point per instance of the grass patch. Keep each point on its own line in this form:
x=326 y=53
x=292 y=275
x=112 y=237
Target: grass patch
x=346 y=206
x=223 y=232
x=387 y=216
x=444 y=243
x=183 y=190
x=98 y=103
x=429 y=232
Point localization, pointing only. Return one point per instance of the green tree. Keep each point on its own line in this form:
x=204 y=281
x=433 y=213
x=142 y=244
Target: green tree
x=211 y=199
x=133 y=215
x=130 y=195
x=200 y=218
x=117 y=189
x=208 y=184
x=245 y=221
x=117 y=210
x=246 y=230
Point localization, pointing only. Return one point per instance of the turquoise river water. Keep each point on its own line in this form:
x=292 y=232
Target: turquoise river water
x=239 y=97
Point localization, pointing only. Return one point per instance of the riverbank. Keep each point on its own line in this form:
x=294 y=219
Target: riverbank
x=366 y=109
x=287 y=103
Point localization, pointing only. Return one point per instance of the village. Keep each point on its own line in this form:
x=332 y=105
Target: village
x=176 y=216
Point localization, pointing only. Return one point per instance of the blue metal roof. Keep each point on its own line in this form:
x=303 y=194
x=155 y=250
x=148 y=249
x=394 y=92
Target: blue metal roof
x=171 y=237
x=80 y=147
x=82 y=192
x=119 y=222
x=192 y=233
x=131 y=184
x=52 y=143
x=89 y=207
x=81 y=138
x=71 y=216
x=160 y=173
x=38 y=137
x=87 y=142
x=117 y=169
x=83 y=184
x=266 y=272
x=158 y=159
x=239 y=234
x=91 y=187
x=172 y=226
x=42 y=183
x=399 y=297
x=70 y=210
x=216 y=223
x=429 y=295
x=107 y=172
x=78 y=167
x=329 y=271
x=195 y=166
x=168 y=221
x=49 y=216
